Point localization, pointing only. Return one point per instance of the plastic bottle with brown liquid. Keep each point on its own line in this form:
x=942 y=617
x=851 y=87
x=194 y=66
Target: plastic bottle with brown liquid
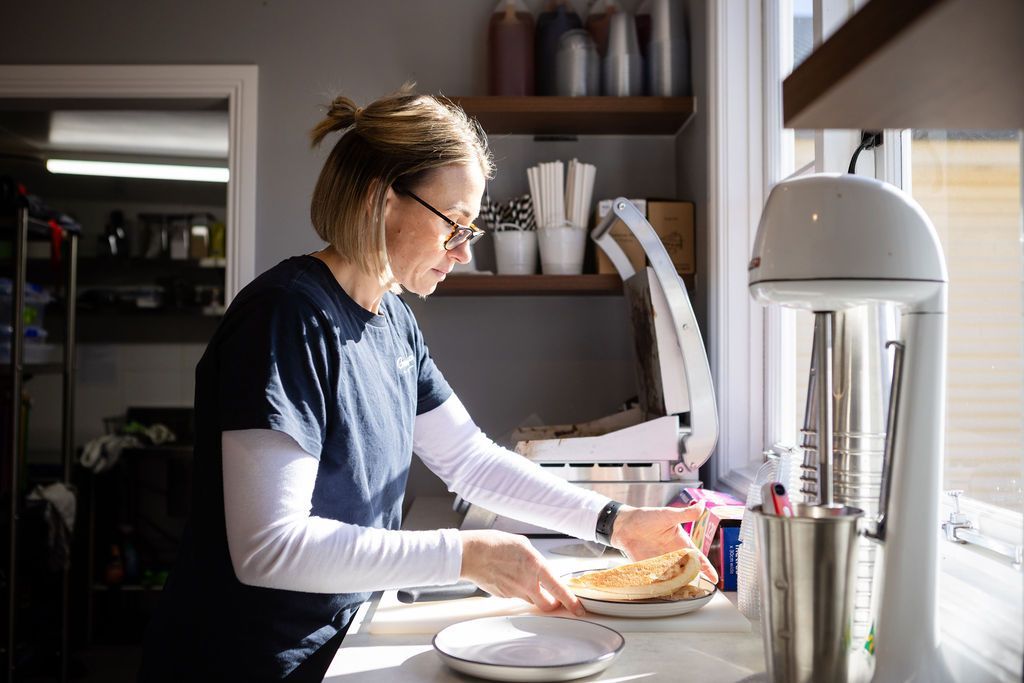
x=510 y=68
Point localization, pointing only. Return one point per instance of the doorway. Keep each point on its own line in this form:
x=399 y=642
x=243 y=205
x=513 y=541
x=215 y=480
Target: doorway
x=158 y=261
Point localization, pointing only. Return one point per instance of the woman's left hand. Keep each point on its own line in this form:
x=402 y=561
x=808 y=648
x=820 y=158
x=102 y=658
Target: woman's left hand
x=648 y=532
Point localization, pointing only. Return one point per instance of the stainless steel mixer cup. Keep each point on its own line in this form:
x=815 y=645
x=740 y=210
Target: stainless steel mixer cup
x=807 y=569
x=861 y=379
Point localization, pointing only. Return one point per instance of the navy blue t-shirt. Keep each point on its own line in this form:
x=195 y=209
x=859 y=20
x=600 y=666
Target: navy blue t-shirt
x=294 y=354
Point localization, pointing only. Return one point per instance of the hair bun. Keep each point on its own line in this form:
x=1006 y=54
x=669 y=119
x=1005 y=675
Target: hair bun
x=342 y=114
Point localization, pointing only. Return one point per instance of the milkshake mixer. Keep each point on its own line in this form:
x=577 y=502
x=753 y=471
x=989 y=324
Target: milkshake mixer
x=843 y=246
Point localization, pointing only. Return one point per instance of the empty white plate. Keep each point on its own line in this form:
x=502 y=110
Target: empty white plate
x=653 y=607
x=528 y=648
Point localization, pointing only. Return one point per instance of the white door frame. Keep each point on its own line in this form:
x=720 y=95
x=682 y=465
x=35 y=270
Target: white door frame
x=236 y=83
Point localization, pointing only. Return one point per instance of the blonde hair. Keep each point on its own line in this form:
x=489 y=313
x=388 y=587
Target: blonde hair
x=399 y=138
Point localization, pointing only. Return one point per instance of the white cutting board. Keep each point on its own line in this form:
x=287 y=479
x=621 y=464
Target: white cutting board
x=394 y=618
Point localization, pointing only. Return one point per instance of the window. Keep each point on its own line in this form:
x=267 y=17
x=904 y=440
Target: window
x=969 y=184
x=799 y=324
x=803 y=24
x=802 y=45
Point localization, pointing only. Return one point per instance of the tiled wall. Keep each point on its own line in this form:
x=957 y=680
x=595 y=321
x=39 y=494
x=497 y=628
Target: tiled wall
x=111 y=377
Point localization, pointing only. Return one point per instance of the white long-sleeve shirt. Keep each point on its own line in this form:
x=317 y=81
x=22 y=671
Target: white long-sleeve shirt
x=274 y=542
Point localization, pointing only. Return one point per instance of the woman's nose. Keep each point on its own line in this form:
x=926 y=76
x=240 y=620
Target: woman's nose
x=462 y=254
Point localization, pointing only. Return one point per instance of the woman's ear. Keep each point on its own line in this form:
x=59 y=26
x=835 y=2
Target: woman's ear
x=390 y=199
x=371 y=198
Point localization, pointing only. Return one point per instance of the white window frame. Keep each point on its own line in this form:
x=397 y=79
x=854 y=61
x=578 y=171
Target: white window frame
x=746 y=158
x=832 y=152
x=735 y=198
x=236 y=83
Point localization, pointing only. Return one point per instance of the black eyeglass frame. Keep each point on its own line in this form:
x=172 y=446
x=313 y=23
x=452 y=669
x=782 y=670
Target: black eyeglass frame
x=471 y=232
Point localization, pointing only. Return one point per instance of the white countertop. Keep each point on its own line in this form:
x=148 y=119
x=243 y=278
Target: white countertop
x=707 y=657
x=711 y=658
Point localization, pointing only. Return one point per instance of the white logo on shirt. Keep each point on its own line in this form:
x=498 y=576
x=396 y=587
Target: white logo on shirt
x=405 y=362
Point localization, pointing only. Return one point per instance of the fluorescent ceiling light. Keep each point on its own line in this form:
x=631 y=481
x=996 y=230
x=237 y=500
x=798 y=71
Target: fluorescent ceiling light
x=197 y=134
x=210 y=174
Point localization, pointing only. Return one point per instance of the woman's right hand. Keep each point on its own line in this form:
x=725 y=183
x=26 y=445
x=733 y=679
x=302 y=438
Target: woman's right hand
x=507 y=566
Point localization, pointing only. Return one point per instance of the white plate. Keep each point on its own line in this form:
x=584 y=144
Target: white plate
x=557 y=648
x=653 y=607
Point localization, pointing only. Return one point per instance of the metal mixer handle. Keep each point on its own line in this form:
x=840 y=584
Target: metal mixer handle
x=878 y=533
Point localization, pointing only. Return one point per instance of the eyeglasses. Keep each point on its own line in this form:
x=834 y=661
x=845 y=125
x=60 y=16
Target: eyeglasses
x=459 y=234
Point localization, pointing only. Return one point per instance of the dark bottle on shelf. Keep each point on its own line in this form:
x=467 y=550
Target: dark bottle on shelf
x=510 y=50
x=551 y=24
x=643 y=29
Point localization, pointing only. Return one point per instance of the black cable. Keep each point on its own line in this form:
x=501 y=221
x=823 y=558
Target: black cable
x=869 y=139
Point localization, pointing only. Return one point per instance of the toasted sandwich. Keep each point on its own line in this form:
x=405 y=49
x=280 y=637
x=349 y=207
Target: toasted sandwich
x=657 y=577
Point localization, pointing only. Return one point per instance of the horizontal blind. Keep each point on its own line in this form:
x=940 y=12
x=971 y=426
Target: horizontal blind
x=970 y=188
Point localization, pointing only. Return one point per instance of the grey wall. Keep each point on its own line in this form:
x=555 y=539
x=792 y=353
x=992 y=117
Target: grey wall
x=560 y=358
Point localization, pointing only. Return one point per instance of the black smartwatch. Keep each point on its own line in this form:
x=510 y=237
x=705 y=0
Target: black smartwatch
x=606 y=522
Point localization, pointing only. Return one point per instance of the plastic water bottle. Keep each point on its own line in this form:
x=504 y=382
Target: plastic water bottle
x=777 y=467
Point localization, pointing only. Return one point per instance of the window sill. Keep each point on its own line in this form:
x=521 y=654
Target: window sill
x=737 y=482
x=981 y=614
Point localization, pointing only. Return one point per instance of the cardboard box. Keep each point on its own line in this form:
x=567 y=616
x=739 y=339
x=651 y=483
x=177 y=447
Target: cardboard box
x=711 y=522
x=673 y=221
x=716 y=532
x=728 y=569
x=718 y=506
x=623 y=236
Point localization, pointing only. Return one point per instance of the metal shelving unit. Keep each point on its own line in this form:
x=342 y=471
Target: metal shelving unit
x=18 y=224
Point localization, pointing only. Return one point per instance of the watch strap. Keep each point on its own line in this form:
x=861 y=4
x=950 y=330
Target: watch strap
x=606 y=522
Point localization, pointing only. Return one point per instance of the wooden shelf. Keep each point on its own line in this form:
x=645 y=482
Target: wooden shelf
x=530 y=285
x=915 y=64
x=580 y=115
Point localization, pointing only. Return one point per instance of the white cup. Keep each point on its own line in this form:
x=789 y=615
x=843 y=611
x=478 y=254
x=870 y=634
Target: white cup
x=561 y=248
x=515 y=250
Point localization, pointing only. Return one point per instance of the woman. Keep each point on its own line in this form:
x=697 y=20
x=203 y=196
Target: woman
x=310 y=399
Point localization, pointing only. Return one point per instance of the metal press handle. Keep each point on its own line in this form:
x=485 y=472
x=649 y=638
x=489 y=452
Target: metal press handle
x=703 y=407
x=610 y=247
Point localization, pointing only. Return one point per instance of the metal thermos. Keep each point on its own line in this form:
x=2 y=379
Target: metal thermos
x=861 y=381
x=668 y=53
x=578 y=68
x=622 y=67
